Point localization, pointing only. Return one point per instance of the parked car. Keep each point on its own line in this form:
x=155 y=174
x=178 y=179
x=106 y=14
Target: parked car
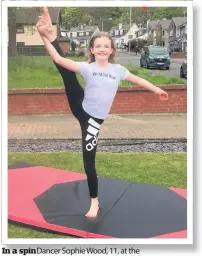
x=183 y=68
x=155 y=57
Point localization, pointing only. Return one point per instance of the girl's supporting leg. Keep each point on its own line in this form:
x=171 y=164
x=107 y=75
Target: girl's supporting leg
x=90 y=128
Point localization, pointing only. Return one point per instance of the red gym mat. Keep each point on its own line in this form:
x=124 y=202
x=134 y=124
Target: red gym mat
x=57 y=200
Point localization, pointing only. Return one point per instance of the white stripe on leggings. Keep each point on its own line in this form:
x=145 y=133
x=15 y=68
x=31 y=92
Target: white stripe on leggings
x=94 y=123
x=92 y=130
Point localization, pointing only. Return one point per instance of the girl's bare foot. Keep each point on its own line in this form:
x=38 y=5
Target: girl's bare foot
x=94 y=208
x=45 y=14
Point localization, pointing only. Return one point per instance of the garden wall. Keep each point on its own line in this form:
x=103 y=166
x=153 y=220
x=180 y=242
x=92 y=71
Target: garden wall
x=127 y=100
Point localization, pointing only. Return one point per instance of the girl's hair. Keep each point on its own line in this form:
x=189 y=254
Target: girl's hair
x=90 y=57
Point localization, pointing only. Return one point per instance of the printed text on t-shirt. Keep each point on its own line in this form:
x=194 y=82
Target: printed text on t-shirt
x=104 y=75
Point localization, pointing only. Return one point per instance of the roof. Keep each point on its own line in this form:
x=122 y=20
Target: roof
x=30 y=15
x=179 y=20
x=81 y=38
x=124 y=27
x=85 y=28
x=141 y=29
x=64 y=39
x=182 y=25
x=153 y=24
x=165 y=24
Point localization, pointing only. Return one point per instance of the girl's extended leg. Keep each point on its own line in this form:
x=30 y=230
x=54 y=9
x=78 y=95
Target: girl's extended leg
x=74 y=91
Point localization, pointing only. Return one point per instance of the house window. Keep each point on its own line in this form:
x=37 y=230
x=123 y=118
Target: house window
x=20 y=44
x=116 y=32
x=74 y=34
x=121 y=32
x=63 y=34
x=171 y=33
x=20 y=28
x=163 y=33
x=87 y=33
x=80 y=33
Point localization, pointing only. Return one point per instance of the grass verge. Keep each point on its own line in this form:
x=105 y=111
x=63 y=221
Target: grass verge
x=40 y=72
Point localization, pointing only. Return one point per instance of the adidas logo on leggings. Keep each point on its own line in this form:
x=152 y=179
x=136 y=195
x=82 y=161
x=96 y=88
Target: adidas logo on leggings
x=93 y=129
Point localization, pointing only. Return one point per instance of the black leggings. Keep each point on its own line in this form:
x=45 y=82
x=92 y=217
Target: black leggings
x=90 y=126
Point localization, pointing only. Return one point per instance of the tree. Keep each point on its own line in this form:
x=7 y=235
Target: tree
x=75 y=16
x=168 y=12
x=12 y=31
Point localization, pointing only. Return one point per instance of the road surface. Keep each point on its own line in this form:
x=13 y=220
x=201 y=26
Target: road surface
x=124 y=58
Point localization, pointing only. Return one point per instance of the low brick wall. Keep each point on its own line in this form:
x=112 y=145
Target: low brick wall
x=177 y=55
x=127 y=100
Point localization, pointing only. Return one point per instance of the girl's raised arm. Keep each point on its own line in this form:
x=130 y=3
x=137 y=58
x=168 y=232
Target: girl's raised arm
x=146 y=84
x=66 y=63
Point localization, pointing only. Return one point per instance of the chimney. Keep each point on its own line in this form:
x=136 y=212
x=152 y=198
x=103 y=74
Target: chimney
x=120 y=26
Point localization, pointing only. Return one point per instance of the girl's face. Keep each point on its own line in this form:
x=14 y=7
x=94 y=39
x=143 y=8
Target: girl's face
x=102 y=48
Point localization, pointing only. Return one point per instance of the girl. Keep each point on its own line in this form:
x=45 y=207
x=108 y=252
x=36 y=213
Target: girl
x=92 y=105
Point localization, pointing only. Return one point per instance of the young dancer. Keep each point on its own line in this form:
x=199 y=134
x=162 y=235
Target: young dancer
x=91 y=105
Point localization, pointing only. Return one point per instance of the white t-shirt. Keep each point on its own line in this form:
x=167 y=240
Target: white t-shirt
x=101 y=87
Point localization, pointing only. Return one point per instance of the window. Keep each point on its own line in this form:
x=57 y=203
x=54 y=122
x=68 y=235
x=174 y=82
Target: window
x=87 y=33
x=20 y=28
x=20 y=44
x=121 y=32
x=80 y=33
x=171 y=33
x=74 y=34
x=116 y=32
x=163 y=33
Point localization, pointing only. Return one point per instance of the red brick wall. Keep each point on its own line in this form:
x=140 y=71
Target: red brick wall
x=177 y=55
x=127 y=100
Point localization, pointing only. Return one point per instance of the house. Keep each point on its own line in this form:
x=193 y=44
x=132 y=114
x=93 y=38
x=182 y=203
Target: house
x=183 y=36
x=26 y=19
x=154 y=31
x=158 y=31
x=177 y=28
x=165 y=30
x=122 y=34
x=28 y=40
x=81 y=35
x=141 y=33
